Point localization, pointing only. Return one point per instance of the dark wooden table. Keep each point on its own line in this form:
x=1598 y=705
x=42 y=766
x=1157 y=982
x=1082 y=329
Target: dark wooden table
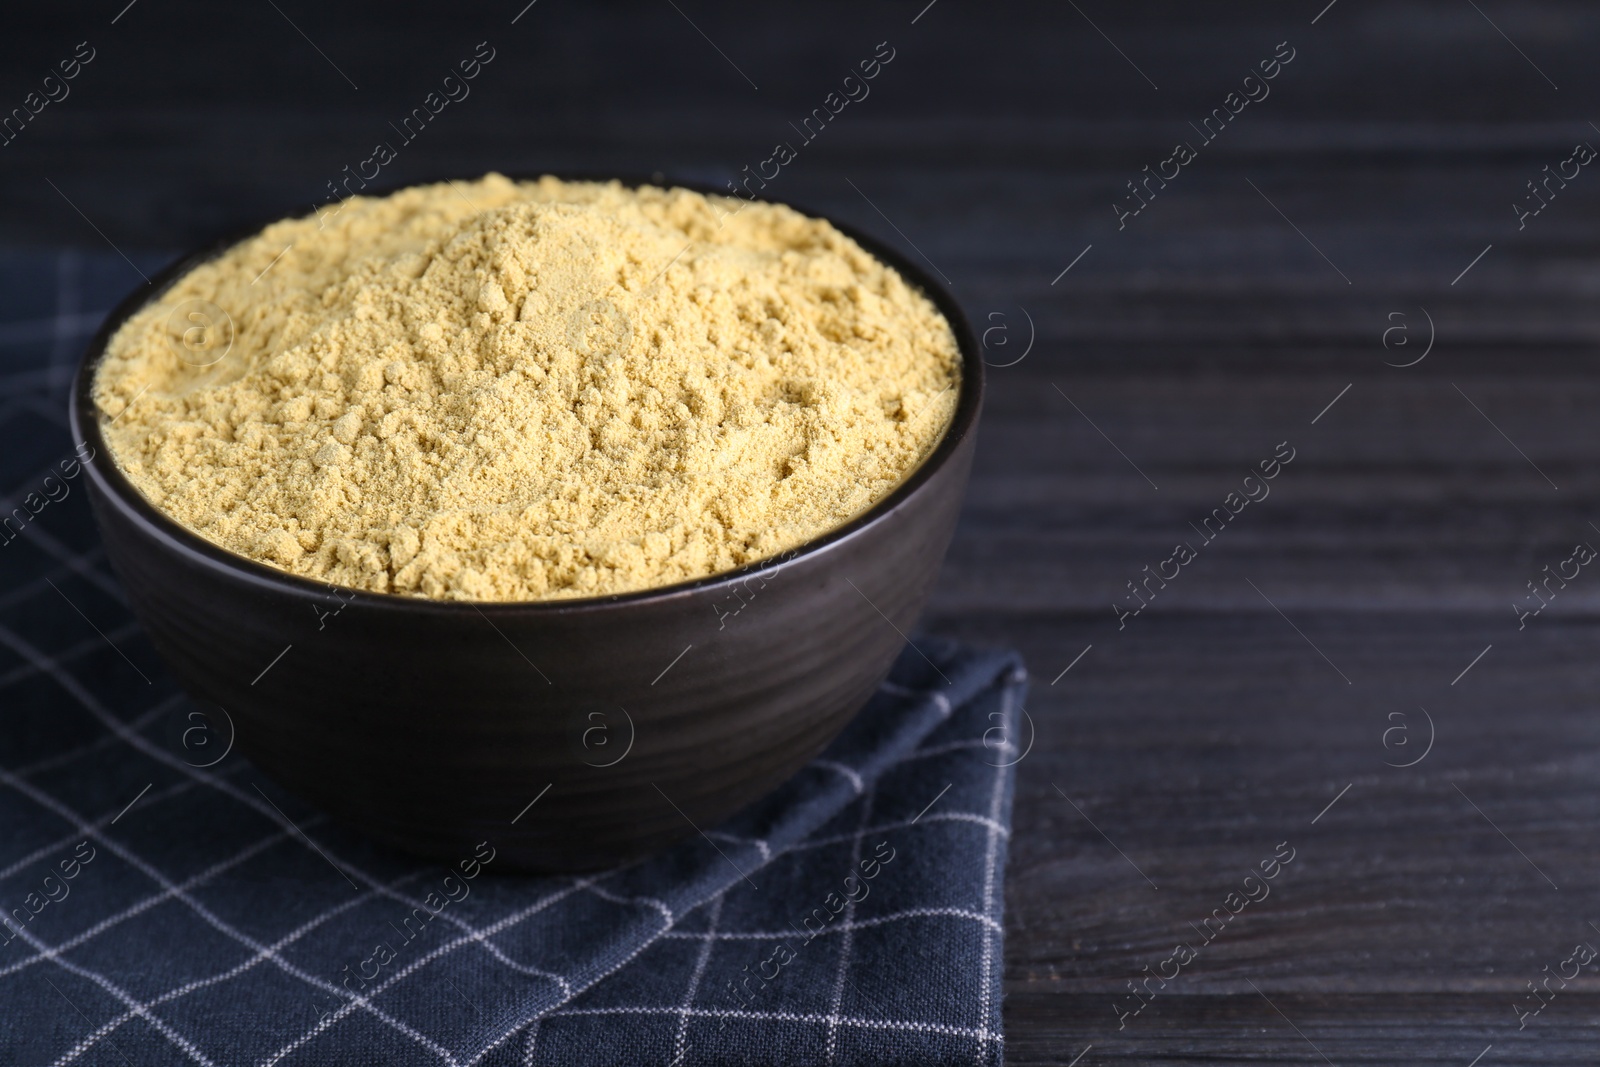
x=1358 y=618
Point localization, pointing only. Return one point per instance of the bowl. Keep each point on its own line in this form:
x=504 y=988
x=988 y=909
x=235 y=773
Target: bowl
x=573 y=734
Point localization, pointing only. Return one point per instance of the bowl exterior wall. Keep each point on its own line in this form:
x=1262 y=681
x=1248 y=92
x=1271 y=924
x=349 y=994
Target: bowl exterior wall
x=632 y=722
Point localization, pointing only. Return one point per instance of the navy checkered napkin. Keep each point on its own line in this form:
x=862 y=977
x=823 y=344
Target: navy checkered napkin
x=160 y=912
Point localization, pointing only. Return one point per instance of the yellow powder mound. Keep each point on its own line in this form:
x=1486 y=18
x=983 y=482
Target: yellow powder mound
x=514 y=391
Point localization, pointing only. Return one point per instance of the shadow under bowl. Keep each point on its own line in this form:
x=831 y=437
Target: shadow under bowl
x=631 y=720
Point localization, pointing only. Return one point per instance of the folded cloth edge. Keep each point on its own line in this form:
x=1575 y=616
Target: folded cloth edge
x=983 y=670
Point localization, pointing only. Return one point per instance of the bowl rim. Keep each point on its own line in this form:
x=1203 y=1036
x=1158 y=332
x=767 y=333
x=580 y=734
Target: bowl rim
x=85 y=424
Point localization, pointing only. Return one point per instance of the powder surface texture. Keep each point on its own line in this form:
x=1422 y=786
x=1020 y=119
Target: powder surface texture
x=496 y=390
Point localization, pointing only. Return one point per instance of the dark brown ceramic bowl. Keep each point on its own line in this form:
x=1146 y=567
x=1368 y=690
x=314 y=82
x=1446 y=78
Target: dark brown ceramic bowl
x=631 y=719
